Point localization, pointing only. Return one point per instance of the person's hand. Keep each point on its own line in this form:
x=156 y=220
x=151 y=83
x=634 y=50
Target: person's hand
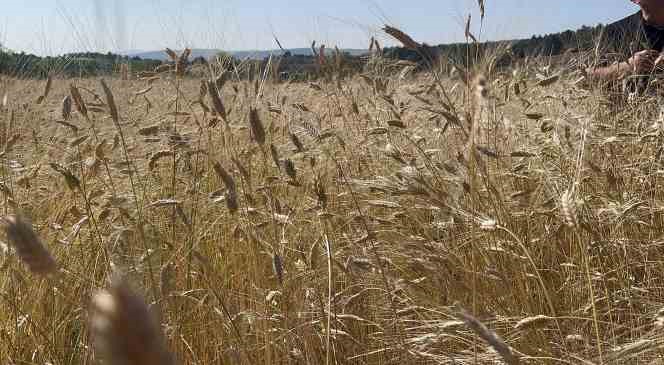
x=659 y=62
x=644 y=61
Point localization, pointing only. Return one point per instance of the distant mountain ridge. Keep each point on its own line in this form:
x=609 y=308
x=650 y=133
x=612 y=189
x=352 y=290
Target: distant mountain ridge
x=254 y=54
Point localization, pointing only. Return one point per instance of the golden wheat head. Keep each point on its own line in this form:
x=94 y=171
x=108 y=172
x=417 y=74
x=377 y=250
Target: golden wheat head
x=402 y=37
x=124 y=330
x=29 y=247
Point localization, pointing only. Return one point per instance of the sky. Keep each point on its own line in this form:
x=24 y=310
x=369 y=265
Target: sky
x=51 y=27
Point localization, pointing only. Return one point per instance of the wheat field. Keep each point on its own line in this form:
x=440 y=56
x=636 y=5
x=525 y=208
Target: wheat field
x=394 y=216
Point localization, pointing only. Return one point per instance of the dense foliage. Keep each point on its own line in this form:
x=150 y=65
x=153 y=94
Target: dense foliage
x=547 y=45
x=85 y=64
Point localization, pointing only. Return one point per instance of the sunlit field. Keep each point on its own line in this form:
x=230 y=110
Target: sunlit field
x=400 y=214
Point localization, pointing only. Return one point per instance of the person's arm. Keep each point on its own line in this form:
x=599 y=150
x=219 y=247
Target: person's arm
x=640 y=63
x=615 y=72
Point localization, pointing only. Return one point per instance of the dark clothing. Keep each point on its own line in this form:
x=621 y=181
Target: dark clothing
x=622 y=39
x=630 y=35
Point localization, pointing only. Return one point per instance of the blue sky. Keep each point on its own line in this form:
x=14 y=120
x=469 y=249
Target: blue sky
x=58 y=26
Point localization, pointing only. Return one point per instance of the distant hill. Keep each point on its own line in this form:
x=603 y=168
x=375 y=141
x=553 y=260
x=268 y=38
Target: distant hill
x=255 y=54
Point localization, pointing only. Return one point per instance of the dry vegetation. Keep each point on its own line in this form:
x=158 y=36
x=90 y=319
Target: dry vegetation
x=391 y=217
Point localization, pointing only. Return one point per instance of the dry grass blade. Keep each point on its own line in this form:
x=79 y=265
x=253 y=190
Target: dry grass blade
x=164 y=203
x=231 y=190
x=533 y=322
x=314 y=51
x=490 y=337
x=221 y=80
x=124 y=72
x=181 y=64
x=225 y=176
x=275 y=156
x=100 y=150
x=469 y=35
x=143 y=91
x=173 y=56
x=278 y=43
x=568 y=208
x=154 y=159
x=296 y=142
x=243 y=171
x=481 y=5
x=257 y=129
x=396 y=124
x=29 y=247
x=66 y=107
x=47 y=90
x=149 y=130
x=11 y=142
x=124 y=330
x=78 y=100
x=277 y=267
x=289 y=168
x=402 y=37
x=378 y=48
x=218 y=105
x=534 y=116
x=631 y=350
x=166 y=279
x=548 y=81
x=73 y=127
x=202 y=90
x=486 y=151
x=321 y=55
x=77 y=141
x=110 y=100
x=72 y=181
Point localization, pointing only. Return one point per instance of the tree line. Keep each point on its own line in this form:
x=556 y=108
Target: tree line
x=91 y=64
x=554 y=44
x=84 y=64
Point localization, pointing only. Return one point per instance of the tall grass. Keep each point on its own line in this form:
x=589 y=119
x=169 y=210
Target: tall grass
x=387 y=217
